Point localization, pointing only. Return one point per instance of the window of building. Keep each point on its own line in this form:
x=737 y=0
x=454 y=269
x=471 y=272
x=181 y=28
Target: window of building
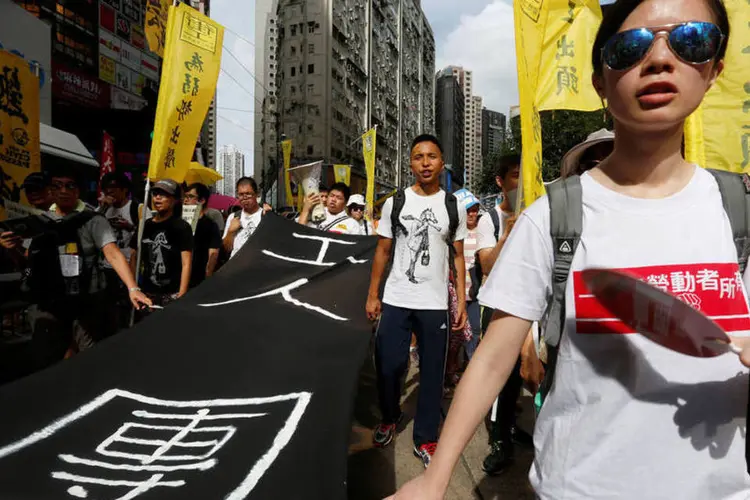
x=294 y=50
x=310 y=89
x=310 y=69
x=311 y=28
x=272 y=57
x=293 y=71
x=293 y=30
x=293 y=89
x=311 y=48
x=310 y=150
x=310 y=127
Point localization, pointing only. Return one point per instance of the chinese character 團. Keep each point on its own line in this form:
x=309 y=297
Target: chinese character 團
x=565 y=48
x=169 y=160
x=11 y=95
x=567 y=79
x=175 y=135
x=196 y=63
x=185 y=108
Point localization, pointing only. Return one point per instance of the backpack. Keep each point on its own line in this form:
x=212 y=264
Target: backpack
x=477 y=269
x=44 y=279
x=451 y=205
x=566 y=226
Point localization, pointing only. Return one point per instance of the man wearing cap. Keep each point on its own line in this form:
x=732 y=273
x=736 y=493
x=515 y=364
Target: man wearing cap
x=356 y=209
x=36 y=186
x=167 y=247
x=588 y=154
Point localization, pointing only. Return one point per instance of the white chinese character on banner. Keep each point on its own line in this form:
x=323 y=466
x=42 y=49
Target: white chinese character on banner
x=683 y=282
x=660 y=281
x=728 y=288
x=708 y=280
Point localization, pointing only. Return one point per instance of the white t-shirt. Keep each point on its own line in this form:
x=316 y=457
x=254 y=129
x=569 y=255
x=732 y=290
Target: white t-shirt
x=344 y=224
x=123 y=236
x=419 y=275
x=627 y=418
x=486 y=229
x=249 y=223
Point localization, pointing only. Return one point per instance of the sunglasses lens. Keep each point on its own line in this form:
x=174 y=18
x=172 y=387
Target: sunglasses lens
x=625 y=49
x=696 y=43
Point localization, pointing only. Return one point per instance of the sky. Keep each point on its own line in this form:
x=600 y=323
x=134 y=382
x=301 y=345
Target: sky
x=475 y=34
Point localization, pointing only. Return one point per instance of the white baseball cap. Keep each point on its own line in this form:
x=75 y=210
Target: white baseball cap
x=356 y=199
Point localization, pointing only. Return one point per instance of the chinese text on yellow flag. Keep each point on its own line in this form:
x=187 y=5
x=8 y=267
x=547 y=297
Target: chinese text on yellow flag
x=155 y=25
x=530 y=18
x=723 y=142
x=565 y=65
x=342 y=173
x=369 y=144
x=286 y=150
x=188 y=83
x=19 y=129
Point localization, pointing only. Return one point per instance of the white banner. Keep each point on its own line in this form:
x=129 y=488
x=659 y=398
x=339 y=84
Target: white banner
x=191 y=214
x=122 y=77
x=109 y=45
x=126 y=100
x=130 y=56
x=15 y=210
x=149 y=66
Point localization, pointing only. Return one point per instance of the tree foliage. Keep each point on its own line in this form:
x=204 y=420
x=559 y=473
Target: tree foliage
x=561 y=130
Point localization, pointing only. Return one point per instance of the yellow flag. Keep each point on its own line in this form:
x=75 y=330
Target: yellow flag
x=369 y=145
x=725 y=113
x=19 y=131
x=342 y=173
x=286 y=148
x=566 y=68
x=155 y=25
x=530 y=18
x=188 y=83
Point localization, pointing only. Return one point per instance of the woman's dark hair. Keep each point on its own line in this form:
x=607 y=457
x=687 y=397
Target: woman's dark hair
x=201 y=190
x=620 y=10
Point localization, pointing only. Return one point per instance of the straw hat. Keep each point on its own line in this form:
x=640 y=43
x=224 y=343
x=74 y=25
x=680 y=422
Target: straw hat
x=572 y=158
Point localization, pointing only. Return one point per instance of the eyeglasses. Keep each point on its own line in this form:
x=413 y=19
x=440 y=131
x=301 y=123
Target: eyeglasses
x=243 y=196
x=692 y=42
x=59 y=186
x=356 y=208
x=190 y=197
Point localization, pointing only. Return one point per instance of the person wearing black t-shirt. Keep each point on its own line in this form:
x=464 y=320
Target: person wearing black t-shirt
x=167 y=248
x=207 y=238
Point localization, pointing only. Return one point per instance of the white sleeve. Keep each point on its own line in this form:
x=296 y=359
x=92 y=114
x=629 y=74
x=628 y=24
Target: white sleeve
x=486 y=232
x=384 y=226
x=226 y=227
x=462 y=232
x=520 y=283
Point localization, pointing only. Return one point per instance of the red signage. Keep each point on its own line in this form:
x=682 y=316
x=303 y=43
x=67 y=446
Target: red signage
x=107 y=17
x=122 y=27
x=107 y=160
x=79 y=88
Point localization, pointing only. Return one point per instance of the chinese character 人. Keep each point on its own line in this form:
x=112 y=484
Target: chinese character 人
x=11 y=97
x=567 y=79
x=169 y=160
x=185 y=108
x=196 y=63
x=175 y=135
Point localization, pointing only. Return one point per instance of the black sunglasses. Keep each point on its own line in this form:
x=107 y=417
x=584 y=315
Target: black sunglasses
x=692 y=42
x=58 y=186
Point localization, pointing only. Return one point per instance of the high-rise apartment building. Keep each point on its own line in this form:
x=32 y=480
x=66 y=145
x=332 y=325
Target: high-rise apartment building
x=493 y=132
x=450 y=123
x=231 y=167
x=345 y=66
x=472 y=127
x=266 y=141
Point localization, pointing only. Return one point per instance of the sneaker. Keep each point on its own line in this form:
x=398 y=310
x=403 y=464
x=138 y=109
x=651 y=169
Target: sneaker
x=500 y=457
x=424 y=452
x=383 y=434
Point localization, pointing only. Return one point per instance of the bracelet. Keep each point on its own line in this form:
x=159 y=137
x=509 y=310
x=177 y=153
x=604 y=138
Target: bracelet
x=134 y=289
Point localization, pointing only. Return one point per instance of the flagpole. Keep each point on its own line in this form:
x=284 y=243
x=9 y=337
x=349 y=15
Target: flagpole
x=139 y=236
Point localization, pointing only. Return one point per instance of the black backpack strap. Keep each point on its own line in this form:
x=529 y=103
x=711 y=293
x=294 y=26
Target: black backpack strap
x=399 y=199
x=134 y=212
x=566 y=225
x=495 y=217
x=331 y=224
x=451 y=205
x=735 y=196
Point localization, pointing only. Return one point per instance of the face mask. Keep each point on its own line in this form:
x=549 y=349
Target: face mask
x=512 y=195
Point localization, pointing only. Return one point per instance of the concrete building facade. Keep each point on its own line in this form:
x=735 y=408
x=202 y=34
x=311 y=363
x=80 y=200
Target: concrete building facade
x=344 y=66
x=232 y=167
x=493 y=132
x=450 y=122
x=472 y=127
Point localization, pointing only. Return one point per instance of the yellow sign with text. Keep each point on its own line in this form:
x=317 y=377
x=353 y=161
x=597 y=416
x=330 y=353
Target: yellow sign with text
x=342 y=173
x=188 y=85
x=19 y=128
x=369 y=146
x=155 y=25
x=565 y=65
x=717 y=135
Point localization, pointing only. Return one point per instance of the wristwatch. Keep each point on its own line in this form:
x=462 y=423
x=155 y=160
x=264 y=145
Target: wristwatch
x=134 y=289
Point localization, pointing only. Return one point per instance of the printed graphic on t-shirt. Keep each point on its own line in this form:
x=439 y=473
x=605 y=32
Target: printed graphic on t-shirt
x=716 y=290
x=158 y=266
x=418 y=242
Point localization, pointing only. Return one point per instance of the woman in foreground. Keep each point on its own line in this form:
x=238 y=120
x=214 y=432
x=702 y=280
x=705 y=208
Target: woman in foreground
x=625 y=418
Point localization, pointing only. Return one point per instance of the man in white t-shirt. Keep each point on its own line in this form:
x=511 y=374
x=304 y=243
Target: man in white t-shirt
x=239 y=229
x=492 y=232
x=337 y=220
x=416 y=295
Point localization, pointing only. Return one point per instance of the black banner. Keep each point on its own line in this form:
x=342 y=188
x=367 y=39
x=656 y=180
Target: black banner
x=242 y=389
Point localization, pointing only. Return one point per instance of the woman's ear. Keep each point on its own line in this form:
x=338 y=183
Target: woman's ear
x=598 y=82
x=715 y=74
